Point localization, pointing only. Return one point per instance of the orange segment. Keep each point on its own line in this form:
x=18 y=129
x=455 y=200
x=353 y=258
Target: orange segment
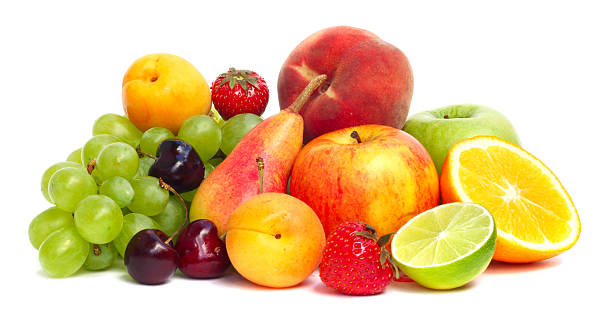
x=535 y=217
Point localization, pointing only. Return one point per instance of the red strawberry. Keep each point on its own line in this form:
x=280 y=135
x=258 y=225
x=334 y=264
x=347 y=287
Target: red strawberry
x=239 y=91
x=355 y=261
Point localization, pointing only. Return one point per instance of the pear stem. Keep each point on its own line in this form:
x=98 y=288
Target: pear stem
x=164 y=185
x=260 y=168
x=305 y=95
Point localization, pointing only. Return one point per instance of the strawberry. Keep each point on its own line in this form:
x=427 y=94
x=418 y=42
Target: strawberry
x=355 y=261
x=239 y=91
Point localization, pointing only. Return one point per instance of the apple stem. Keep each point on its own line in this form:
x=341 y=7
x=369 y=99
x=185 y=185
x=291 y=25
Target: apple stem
x=164 y=185
x=355 y=135
x=141 y=154
x=260 y=168
x=90 y=166
x=305 y=95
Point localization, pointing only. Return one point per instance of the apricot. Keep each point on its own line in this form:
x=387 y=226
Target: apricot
x=164 y=90
x=275 y=240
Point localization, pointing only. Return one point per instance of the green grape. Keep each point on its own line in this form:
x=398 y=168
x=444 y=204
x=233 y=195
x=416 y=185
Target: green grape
x=94 y=145
x=152 y=138
x=203 y=133
x=172 y=217
x=101 y=256
x=216 y=161
x=70 y=185
x=44 y=183
x=117 y=159
x=132 y=224
x=46 y=223
x=118 y=126
x=119 y=189
x=149 y=198
x=235 y=128
x=98 y=219
x=144 y=164
x=63 y=252
x=75 y=156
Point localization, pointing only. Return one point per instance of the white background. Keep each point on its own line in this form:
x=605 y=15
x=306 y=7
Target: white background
x=546 y=65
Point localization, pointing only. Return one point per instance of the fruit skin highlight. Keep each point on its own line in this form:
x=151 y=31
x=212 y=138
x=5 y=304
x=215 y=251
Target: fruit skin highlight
x=498 y=161
x=384 y=181
x=439 y=129
x=275 y=240
x=164 y=90
x=370 y=81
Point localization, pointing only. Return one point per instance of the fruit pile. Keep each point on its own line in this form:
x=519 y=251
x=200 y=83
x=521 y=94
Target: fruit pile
x=360 y=200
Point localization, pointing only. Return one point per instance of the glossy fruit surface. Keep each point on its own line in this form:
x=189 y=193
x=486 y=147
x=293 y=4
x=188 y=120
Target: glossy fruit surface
x=44 y=183
x=98 y=219
x=148 y=259
x=75 y=156
x=63 y=252
x=240 y=91
x=172 y=216
x=116 y=159
x=119 y=189
x=201 y=253
x=203 y=133
x=236 y=128
x=355 y=261
x=70 y=185
x=179 y=165
x=535 y=217
x=94 y=145
x=152 y=138
x=100 y=257
x=46 y=223
x=149 y=198
x=117 y=126
x=132 y=224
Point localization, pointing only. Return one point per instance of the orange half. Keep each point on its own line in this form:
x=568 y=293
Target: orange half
x=535 y=217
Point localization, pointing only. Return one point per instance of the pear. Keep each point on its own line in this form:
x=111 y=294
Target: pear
x=277 y=141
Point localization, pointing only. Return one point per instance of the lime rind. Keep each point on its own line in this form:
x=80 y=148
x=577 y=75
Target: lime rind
x=446 y=247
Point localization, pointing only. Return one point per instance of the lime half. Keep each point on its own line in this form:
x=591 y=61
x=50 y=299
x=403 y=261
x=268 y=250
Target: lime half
x=447 y=246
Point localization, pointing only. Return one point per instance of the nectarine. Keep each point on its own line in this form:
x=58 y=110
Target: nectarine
x=275 y=240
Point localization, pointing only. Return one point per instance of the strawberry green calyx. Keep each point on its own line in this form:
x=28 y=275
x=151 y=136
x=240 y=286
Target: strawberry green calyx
x=242 y=77
x=385 y=255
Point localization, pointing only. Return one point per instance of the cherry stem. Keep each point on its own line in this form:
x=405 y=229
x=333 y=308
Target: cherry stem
x=260 y=168
x=90 y=166
x=355 y=135
x=141 y=154
x=164 y=185
x=305 y=95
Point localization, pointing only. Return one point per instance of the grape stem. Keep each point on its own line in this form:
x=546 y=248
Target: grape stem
x=164 y=185
x=141 y=154
x=260 y=168
x=91 y=165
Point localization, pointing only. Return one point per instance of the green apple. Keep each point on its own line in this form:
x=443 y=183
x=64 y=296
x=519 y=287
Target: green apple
x=438 y=130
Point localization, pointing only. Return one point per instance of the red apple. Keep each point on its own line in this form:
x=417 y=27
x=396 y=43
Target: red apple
x=369 y=81
x=373 y=173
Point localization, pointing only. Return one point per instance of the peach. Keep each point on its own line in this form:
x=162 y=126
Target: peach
x=369 y=81
x=164 y=90
x=275 y=240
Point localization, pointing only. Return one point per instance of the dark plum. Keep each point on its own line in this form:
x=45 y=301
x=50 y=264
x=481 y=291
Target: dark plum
x=178 y=164
x=150 y=257
x=201 y=253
